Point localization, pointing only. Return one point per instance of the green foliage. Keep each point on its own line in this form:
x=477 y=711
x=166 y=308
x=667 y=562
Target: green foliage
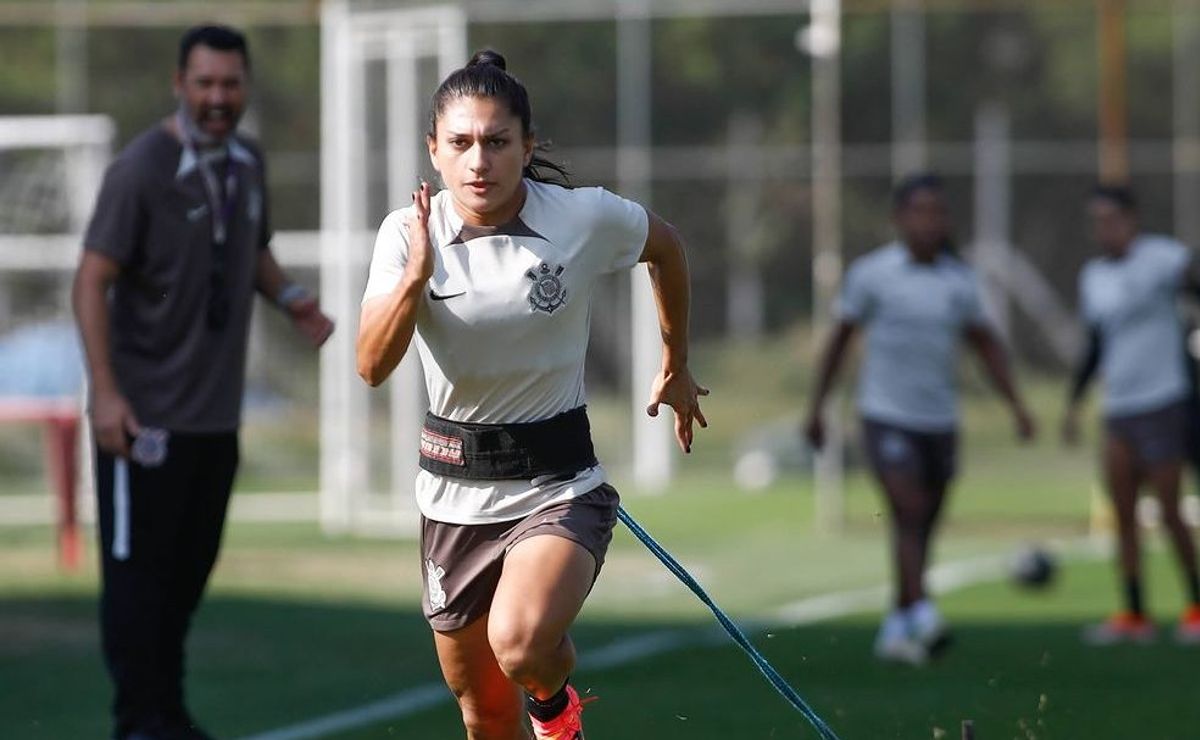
x=1039 y=59
x=26 y=71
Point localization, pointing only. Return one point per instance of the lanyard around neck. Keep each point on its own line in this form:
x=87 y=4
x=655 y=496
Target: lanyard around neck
x=222 y=201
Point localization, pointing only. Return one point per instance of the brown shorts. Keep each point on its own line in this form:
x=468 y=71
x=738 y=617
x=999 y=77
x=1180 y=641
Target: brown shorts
x=931 y=457
x=1156 y=437
x=462 y=562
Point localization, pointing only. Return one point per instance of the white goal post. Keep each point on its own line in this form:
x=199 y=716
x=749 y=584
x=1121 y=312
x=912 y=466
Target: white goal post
x=412 y=49
x=351 y=42
x=51 y=168
x=85 y=142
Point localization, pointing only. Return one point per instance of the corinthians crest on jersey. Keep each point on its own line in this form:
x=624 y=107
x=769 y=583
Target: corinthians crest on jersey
x=548 y=292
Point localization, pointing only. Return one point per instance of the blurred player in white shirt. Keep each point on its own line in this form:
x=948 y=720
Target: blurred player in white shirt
x=1128 y=297
x=917 y=301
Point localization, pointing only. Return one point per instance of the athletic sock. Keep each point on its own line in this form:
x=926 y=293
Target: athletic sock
x=1133 y=595
x=547 y=709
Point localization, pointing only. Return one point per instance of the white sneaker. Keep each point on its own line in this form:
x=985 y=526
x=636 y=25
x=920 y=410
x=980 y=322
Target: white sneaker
x=895 y=644
x=927 y=626
x=901 y=650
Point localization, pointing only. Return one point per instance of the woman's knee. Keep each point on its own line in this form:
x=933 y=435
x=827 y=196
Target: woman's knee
x=520 y=647
x=515 y=648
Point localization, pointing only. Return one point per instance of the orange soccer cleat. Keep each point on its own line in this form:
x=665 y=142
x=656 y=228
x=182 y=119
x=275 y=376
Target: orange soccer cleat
x=566 y=726
x=1188 y=630
x=1121 y=627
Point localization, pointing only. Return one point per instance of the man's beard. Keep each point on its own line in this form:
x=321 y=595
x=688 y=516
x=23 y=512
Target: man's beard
x=193 y=133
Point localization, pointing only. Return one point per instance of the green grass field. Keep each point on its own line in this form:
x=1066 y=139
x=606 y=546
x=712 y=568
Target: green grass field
x=298 y=625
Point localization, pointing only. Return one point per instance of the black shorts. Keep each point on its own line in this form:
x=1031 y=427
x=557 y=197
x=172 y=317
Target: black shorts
x=462 y=562
x=1156 y=437
x=931 y=457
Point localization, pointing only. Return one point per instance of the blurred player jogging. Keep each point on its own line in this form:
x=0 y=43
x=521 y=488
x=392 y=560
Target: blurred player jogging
x=917 y=301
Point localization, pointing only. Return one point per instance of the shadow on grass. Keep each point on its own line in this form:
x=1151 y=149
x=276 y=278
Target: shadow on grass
x=260 y=664
x=255 y=664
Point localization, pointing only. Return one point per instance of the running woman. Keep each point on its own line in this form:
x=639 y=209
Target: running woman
x=916 y=299
x=1128 y=299
x=492 y=279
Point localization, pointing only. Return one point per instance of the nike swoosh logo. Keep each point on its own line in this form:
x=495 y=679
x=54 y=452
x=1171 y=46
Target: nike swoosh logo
x=435 y=297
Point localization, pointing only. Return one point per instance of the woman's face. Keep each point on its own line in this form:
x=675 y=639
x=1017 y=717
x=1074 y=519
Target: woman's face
x=480 y=150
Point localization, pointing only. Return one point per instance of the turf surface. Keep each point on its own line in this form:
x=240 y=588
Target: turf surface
x=298 y=626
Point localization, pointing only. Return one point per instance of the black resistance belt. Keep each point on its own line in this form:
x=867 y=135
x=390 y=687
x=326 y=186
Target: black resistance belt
x=557 y=446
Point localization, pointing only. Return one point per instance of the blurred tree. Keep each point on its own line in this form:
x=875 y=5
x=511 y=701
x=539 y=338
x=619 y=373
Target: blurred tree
x=1039 y=60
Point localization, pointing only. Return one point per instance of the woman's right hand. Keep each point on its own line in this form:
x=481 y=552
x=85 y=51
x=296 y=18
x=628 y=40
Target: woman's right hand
x=420 y=263
x=386 y=322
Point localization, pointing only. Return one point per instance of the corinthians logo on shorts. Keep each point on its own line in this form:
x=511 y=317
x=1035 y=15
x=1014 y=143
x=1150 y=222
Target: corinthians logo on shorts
x=433 y=582
x=548 y=292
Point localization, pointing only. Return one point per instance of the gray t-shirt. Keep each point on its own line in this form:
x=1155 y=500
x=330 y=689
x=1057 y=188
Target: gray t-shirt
x=914 y=315
x=179 y=369
x=503 y=329
x=1132 y=302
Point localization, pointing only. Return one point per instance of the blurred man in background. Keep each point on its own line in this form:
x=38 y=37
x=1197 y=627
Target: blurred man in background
x=176 y=248
x=1128 y=300
x=918 y=300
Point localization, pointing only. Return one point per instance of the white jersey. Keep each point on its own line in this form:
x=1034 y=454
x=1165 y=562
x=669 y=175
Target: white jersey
x=914 y=315
x=1132 y=302
x=502 y=330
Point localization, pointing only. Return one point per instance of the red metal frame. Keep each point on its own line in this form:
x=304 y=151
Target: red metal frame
x=59 y=418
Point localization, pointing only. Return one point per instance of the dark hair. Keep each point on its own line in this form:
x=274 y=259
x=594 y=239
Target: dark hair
x=486 y=76
x=913 y=184
x=1119 y=195
x=221 y=38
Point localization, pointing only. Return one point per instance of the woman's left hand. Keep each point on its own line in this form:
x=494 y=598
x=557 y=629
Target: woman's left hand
x=677 y=389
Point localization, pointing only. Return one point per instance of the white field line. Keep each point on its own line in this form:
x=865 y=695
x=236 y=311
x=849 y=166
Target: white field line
x=411 y=701
x=943 y=579
x=404 y=703
x=34 y=509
